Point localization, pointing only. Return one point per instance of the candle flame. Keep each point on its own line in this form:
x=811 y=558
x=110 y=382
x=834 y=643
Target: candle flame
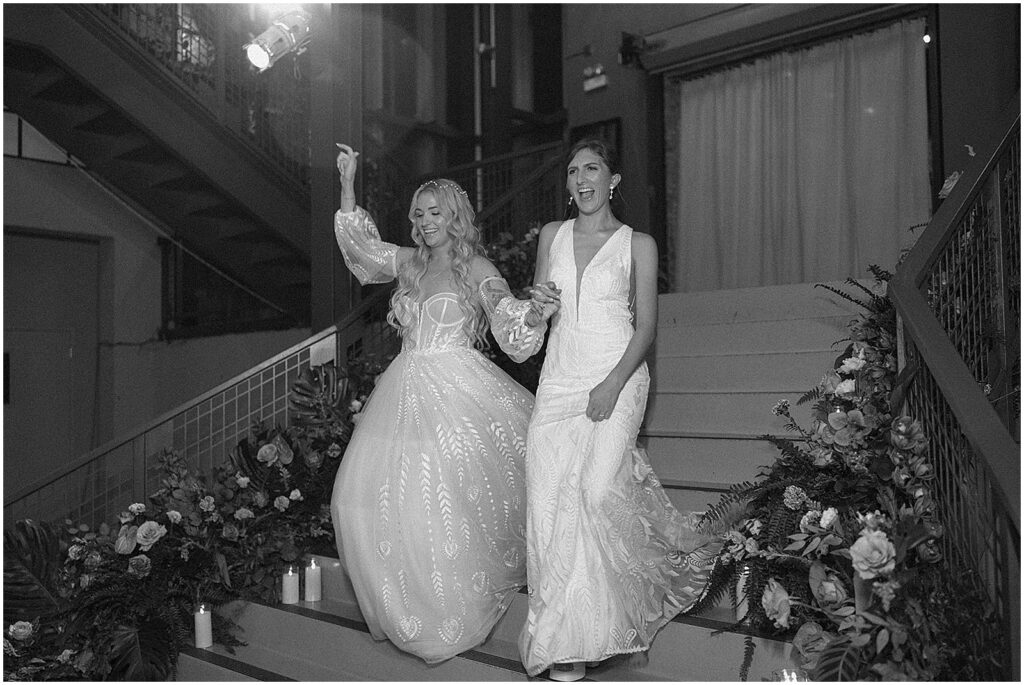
x=312 y=563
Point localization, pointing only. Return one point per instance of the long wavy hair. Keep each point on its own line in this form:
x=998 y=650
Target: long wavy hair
x=465 y=243
x=607 y=152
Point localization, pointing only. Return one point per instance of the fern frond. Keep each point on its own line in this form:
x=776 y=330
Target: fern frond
x=811 y=395
x=846 y=296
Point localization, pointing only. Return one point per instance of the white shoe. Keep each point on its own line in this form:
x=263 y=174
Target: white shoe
x=568 y=672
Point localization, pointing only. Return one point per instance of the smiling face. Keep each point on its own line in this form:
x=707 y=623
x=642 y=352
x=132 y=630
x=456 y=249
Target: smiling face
x=589 y=181
x=429 y=222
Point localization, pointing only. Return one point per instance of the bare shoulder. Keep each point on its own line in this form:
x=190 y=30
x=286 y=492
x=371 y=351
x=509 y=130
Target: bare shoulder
x=404 y=254
x=644 y=246
x=547 y=233
x=481 y=267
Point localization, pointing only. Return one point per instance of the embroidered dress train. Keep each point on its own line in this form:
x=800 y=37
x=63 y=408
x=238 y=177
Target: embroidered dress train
x=429 y=501
x=609 y=559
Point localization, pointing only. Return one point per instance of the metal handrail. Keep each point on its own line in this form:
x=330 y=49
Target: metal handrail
x=945 y=292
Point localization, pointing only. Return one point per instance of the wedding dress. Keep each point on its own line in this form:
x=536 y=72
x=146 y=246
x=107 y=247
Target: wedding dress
x=609 y=559
x=429 y=500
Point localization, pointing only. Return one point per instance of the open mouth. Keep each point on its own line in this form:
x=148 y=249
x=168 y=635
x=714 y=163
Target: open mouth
x=585 y=194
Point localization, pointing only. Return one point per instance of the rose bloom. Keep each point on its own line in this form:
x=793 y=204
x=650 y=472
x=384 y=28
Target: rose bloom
x=243 y=481
x=847 y=387
x=295 y=494
x=207 y=503
x=126 y=539
x=873 y=554
x=173 y=516
x=830 y=591
x=282 y=502
x=334 y=450
x=851 y=364
x=243 y=513
x=906 y=434
x=828 y=517
x=137 y=508
x=93 y=560
x=229 y=531
x=775 y=602
x=261 y=499
x=20 y=630
x=76 y=552
x=267 y=454
x=313 y=459
x=355 y=406
x=149 y=534
x=139 y=566
x=809 y=519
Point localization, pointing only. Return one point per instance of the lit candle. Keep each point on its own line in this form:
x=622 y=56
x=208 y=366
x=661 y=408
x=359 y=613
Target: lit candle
x=290 y=587
x=312 y=582
x=742 y=607
x=204 y=627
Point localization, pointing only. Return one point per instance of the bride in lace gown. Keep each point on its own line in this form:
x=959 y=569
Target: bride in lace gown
x=609 y=559
x=429 y=501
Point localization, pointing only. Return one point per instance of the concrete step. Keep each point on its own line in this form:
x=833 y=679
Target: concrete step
x=679 y=652
x=765 y=371
x=724 y=414
x=708 y=460
x=700 y=338
x=770 y=303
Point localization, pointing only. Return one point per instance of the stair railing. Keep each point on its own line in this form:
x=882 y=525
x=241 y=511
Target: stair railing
x=957 y=295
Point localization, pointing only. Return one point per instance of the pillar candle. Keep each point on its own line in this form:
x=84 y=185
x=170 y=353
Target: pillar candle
x=312 y=582
x=290 y=587
x=742 y=607
x=204 y=627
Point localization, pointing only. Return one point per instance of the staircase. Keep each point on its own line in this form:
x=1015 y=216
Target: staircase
x=328 y=640
x=721 y=360
x=143 y=130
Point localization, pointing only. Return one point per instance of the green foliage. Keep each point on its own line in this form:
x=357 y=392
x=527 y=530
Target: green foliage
x=837 y=543
x=118 y=603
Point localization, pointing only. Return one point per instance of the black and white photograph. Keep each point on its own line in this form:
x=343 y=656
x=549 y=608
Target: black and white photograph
x=430 y=342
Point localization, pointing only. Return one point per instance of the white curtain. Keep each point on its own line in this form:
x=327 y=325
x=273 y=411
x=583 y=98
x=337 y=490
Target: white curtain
x=801 y=167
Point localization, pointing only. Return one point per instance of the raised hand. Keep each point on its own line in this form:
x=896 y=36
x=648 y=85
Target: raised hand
x=346 y=163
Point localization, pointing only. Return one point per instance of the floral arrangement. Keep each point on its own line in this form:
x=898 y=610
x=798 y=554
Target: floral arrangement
x=836 y=545
x=117 y=603
x=515 y=260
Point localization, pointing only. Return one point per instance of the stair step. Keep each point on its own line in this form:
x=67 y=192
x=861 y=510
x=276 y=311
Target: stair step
x=722 y=461
x=753 y=372
x=732 y=414
x=670 y=658
x=147 y=153
x=769 y=303
x=689 y=339
x=207 y=665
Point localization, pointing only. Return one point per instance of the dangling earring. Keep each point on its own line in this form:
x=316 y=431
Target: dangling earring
x=569 y=203
x=611 y=193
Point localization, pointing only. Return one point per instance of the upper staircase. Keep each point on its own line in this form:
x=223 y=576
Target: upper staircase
x=136 y=96
x=721 y=360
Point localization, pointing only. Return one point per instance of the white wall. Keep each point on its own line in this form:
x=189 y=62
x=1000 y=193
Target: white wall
x=141 y=377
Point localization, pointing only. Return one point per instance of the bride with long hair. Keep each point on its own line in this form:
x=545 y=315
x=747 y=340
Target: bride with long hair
x=429 y=503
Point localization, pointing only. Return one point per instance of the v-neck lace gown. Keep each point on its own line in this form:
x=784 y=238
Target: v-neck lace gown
x=429 y=500
x=609 y=559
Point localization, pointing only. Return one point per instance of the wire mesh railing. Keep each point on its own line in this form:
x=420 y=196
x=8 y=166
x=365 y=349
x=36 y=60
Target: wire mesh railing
x=199 y=46
x=957 y=295
x=98 y=486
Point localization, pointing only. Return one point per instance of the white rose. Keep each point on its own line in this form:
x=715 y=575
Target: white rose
x=828 y=517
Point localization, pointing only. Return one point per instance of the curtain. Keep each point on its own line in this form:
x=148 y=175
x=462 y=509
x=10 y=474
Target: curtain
x=801 y=167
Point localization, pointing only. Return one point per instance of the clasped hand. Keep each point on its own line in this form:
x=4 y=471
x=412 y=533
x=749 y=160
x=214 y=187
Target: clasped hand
x=546 y=301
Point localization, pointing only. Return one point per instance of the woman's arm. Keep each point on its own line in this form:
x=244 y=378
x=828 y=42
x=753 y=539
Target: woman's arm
x=544 y=292
x=518 y=325
x=645 y=275
x=369 y=258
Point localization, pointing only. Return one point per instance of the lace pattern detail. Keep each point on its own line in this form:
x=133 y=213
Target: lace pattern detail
x=507 y=316
x=369 y=258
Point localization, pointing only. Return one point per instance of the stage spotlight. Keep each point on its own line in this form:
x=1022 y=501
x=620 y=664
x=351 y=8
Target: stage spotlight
x=290 y=31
